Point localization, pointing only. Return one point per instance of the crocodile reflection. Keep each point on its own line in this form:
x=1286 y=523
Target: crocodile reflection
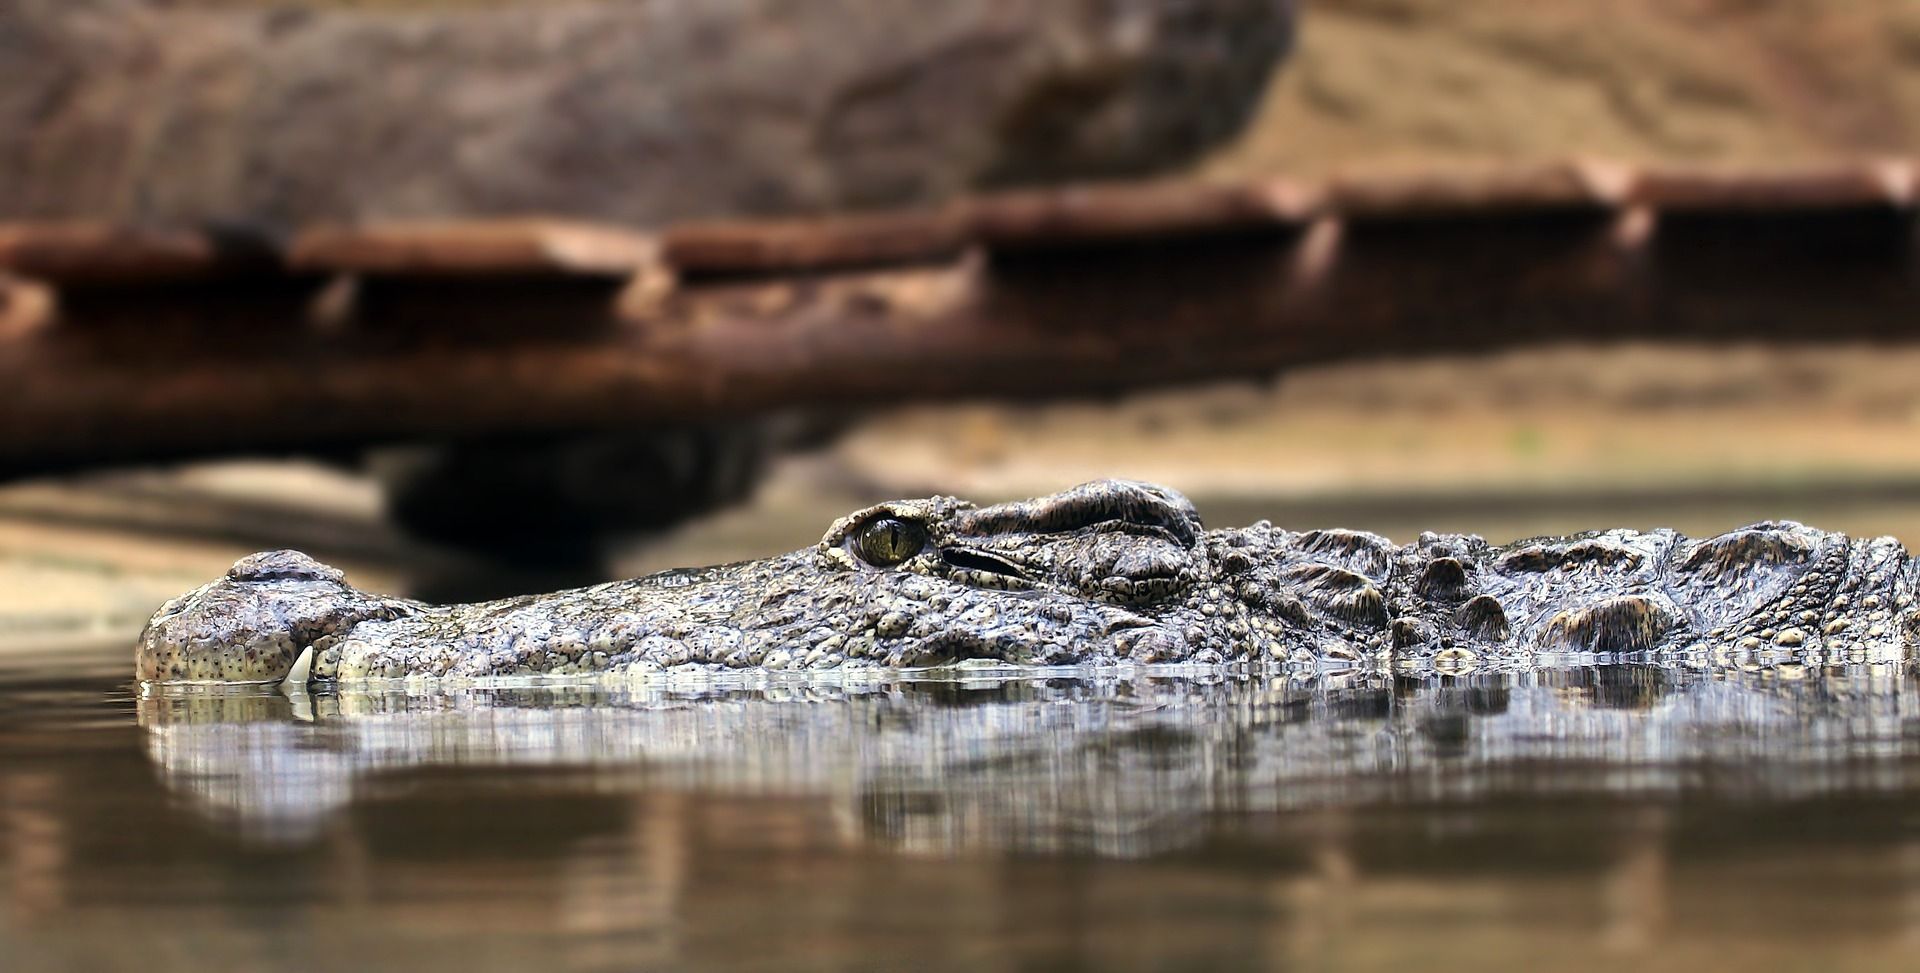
x=1094 y=765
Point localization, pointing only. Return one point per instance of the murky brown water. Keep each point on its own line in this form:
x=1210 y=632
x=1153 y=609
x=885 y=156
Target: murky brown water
x=1673 y=818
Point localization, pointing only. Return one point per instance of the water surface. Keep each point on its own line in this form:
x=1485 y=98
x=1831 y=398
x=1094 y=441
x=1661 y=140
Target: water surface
x=1673 y=818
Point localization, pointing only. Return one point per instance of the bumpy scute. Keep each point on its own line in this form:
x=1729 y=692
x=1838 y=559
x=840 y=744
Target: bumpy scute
x=1482 y=619
x=1443 y=578
x=1629 y=623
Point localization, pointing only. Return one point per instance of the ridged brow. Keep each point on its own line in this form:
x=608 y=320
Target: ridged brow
x=1082 y=508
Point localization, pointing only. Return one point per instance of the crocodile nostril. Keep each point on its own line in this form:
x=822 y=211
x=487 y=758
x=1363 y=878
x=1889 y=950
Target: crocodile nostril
x=283 y=566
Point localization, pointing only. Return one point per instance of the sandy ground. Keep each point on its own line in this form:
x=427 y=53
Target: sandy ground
x=1383 y=83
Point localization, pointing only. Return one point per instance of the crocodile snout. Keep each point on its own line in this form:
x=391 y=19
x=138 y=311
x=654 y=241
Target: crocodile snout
x=253 y=624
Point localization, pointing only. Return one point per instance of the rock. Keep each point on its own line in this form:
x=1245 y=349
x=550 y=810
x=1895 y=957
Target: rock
x=638 y=111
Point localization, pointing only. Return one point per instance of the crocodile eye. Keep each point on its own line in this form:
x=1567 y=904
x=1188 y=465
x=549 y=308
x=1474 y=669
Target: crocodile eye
x=886 y=541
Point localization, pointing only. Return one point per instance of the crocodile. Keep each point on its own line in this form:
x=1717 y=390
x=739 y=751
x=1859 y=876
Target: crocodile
x=1108 y=573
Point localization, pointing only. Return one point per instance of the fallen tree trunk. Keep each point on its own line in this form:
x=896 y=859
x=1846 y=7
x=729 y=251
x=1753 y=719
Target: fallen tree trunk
x=437 y=332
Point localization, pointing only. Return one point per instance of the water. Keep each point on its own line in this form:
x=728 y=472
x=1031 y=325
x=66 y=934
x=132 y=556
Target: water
x=1672 y=818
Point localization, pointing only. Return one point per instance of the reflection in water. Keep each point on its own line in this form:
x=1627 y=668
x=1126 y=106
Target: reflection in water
x=1675 y=818
x=1091 y=765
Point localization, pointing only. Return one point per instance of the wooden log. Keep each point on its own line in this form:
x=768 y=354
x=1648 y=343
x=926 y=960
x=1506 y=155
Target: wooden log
x=741 y=247
x=1482 y=192
x=1072 y=301
x=1887 y=184
x=477 y=248
x=91 y=253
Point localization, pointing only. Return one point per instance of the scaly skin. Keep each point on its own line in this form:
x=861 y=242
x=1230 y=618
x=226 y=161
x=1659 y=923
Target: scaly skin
x=1106 y=573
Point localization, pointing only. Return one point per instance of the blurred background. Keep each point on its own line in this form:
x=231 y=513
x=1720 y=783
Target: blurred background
x=170 y=171
x=474 y=297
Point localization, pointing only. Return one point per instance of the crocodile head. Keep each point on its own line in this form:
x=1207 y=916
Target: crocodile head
x=1105 y=572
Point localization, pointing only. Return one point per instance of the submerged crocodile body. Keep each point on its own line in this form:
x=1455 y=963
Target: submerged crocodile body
x=1106 y=573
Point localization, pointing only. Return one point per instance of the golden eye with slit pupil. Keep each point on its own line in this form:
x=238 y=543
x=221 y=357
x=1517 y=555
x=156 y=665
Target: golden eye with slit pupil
x=889 y=540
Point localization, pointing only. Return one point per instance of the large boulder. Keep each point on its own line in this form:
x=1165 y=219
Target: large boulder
x=632 y=110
